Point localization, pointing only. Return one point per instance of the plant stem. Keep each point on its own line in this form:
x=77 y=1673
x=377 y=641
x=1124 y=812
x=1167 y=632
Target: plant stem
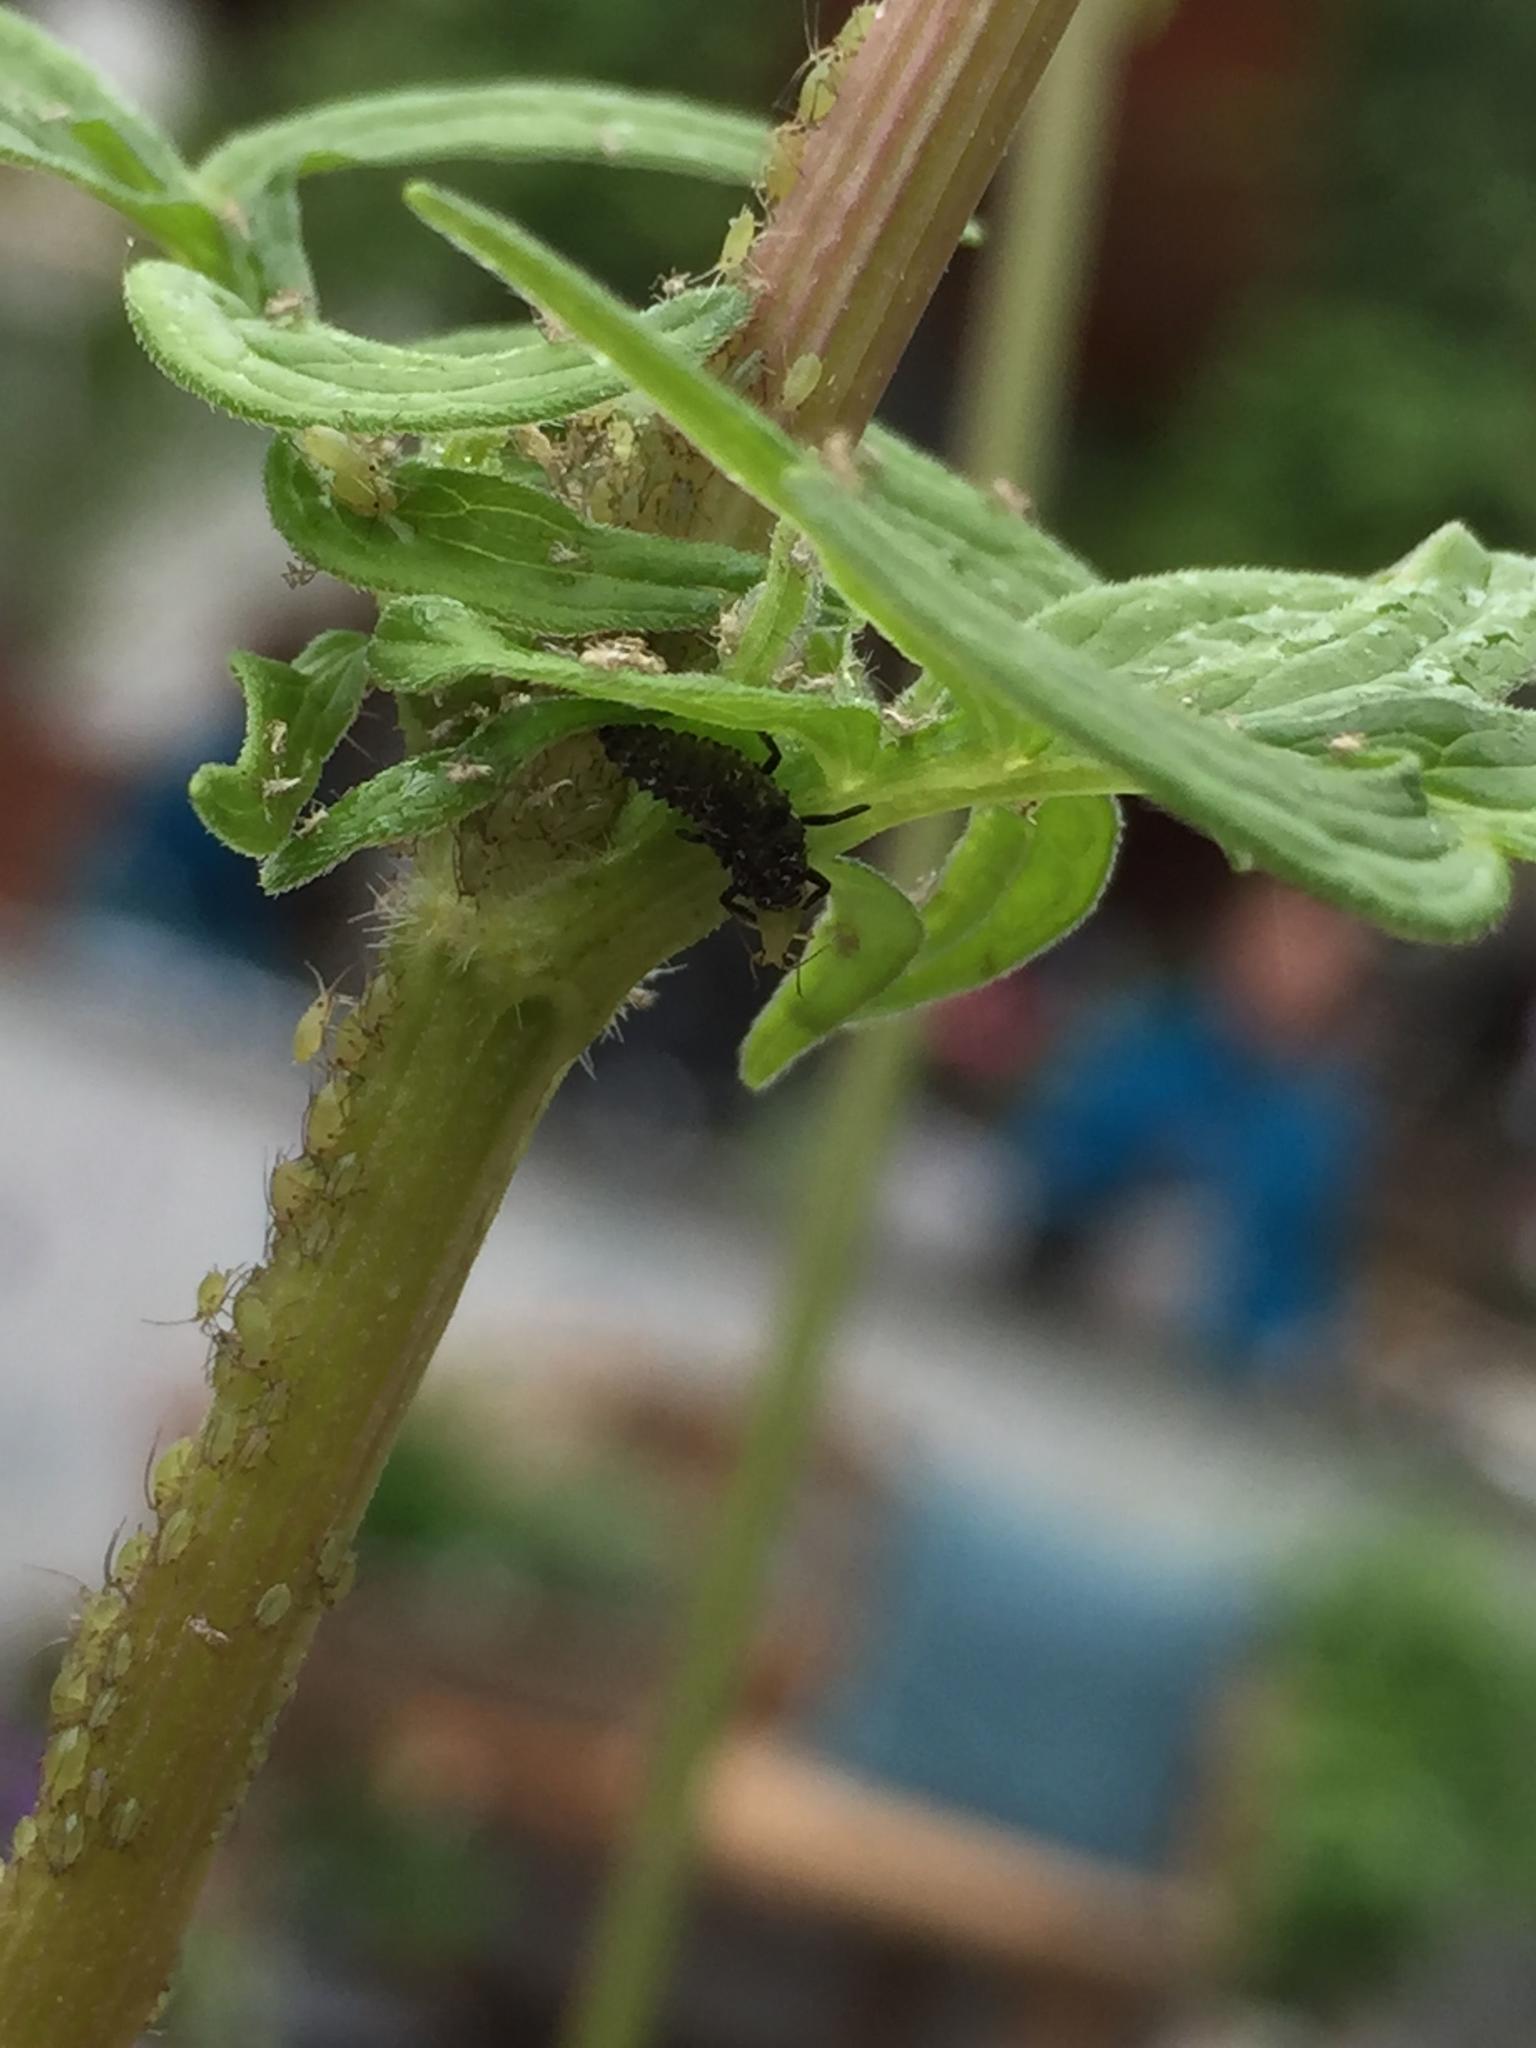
x=888 y=181
x=1020 y=350
x=619 y=2000
x=169 y=1692
x=1014 y=373
x=168 y=1696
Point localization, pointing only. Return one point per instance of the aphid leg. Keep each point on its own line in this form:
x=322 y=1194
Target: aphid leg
x=821 y=888
x=832 y=817
x=775 y=752
x=738 y=905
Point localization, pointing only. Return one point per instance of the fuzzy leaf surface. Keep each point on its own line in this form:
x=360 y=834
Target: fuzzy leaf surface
x=504 y=547
x=295 y=373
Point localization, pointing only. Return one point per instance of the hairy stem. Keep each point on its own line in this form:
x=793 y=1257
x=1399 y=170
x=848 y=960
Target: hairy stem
x=170 y=1690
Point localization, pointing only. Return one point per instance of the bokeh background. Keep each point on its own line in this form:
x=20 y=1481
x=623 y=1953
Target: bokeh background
x=1153 y=1657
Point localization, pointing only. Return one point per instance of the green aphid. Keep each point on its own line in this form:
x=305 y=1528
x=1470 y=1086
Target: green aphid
x=64 y=1839
x=740 y=234
x=69 y=1698
x=212 y=1293
x=273 y=1606
x=132 y=1556
x=353 y=471
x=327 y=1118
x=98 y=1619
x=221 y=1432
x=256 y=1445
x=253 y=1323
x=800 y=380
x=64 y=1762
x=294 y=1188
x=176 y=1534
x=309 y=1032
x=125 y=1822
x=169 y=1473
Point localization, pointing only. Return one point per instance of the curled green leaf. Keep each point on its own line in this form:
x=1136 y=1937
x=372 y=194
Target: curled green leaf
x=515 y=121
x=858 y=946
x=507 y=548
x=425 y=793
x=57 y=115
x=295 y=716
x=295 y=372
x=1014 y=884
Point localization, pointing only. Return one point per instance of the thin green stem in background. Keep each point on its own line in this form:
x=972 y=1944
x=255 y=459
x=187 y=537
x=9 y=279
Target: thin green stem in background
x=619 y=2000
x=1014 y=395
x=1015 y=376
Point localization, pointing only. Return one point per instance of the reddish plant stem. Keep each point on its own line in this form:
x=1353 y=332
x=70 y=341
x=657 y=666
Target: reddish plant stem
x=888 y=181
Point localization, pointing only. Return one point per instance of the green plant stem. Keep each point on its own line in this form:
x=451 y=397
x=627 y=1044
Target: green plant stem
x=1022 y=335
x=618 y=2003
x=169 y=1693
x=864 y=1093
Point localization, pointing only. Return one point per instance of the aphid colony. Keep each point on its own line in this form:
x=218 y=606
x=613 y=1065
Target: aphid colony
x=817 y=96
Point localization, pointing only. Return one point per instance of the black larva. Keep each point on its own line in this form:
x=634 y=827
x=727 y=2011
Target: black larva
x=736 y=809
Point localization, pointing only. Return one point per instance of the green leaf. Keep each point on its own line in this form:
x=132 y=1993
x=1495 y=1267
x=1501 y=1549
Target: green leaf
x=294 y=373
x=858 y=946
x=517 y=121
x=295 y=715
x=506 y=548
x=1357 y=829
x=57 y=115
x=1489 y=779
x=430 y=643
x=1360 y=833
x=1418 y=652
x=425 y=793
x=1014 y=885
x=977 y=528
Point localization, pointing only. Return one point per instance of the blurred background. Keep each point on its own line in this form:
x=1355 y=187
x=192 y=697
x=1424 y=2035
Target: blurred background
x=1153 y=1655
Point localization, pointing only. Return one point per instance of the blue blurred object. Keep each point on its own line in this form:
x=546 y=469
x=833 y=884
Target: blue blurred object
x=1038 y=1673
x=1171 y=1090
x=156 y=862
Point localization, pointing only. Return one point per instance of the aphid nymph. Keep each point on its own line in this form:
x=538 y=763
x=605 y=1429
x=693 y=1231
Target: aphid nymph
x=739 y=812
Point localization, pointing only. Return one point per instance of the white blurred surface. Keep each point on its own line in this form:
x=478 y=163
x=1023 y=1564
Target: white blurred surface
x=143 y=1096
